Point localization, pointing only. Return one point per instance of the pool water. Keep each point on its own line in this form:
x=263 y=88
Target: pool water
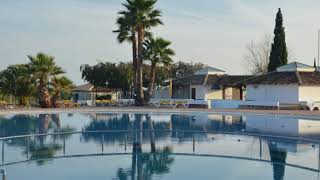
x=159 y=146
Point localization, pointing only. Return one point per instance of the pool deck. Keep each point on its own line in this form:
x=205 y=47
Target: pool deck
x=293 y=113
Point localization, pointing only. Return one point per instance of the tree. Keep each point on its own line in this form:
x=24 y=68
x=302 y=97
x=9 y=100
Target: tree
x=279 y=53
x=126 y=32
x=60 y=85
x=257 y=55
x=111 y=75
x=142 y=16
x=157 y=51
x=182 y=69
x=98 y=75
x=43 y=68
x=16 y=81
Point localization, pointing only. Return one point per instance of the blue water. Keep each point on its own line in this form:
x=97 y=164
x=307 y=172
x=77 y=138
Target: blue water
x=169 y=146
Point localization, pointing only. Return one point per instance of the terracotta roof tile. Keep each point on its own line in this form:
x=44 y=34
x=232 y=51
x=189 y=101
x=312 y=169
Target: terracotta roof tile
x=302 y=78
x=90 y=87
x=221 y=80
x=310 y=78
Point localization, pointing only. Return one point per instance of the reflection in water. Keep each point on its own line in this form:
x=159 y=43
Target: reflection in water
x=146 y=165
x=157 y=161
x=41 y=148
x=278 y=159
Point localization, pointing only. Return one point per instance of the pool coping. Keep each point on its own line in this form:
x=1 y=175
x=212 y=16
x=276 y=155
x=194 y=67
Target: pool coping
x=237 y=112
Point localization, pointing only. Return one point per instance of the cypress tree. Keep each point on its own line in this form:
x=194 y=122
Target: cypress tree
x=279 y=53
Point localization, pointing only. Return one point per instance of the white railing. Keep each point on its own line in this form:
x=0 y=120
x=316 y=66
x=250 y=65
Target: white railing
x=194 y=145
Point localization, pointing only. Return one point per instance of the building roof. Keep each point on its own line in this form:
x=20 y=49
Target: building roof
x=295 y=66
x=209 y=70
x=289 y=77
x=85 y=87
x=233 y=80
x=213 y=80
x=91 y=88
x=190 y=80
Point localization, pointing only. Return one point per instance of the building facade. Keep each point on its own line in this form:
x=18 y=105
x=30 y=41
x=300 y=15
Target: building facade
x=290 y=84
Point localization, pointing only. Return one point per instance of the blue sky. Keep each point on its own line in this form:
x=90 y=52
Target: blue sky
x=214 y=32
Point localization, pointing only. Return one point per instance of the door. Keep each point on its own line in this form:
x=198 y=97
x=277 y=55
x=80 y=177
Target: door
x=193 y=93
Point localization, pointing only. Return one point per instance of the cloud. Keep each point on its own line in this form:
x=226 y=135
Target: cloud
x=213 y=31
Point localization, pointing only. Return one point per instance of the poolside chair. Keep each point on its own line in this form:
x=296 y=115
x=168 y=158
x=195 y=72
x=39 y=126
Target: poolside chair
x=182 y=103
x=166 y=103
x=154 y=102
x=310 y=105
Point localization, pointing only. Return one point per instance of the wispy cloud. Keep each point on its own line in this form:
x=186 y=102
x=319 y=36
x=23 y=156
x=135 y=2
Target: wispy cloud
x=213 y=31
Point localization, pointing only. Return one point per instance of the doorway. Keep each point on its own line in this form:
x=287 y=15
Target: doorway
x=193 y=93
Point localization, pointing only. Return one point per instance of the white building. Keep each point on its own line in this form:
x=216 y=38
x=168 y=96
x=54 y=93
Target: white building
x=209 y=84
x=290 y=84
x=87 y=94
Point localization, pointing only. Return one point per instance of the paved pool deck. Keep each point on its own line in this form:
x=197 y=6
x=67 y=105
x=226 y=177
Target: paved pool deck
x=293 y=113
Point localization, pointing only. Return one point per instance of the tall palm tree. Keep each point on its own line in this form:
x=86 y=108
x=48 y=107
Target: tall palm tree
x=60 y=84
x=126 y=33
x=139 y=17
x=44 y=68
x=157 y=51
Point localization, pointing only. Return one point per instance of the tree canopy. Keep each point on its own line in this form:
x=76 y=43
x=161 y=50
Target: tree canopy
x=279 y=53
x=111 y=75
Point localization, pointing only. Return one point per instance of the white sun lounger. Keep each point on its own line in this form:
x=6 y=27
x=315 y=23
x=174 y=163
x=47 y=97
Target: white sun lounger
x=171 y=103
x=311 y=105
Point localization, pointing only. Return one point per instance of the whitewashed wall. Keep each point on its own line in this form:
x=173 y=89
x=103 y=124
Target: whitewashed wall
x=273 y=93
x=161 y=93
x=200 y=92
x=309 y=93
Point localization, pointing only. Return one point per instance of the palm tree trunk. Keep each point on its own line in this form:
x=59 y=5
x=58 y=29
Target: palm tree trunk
x=44 y=95
x=152 y=142
x=140 y=95
x=55 y=99
x=152 y=79
x=135 y=61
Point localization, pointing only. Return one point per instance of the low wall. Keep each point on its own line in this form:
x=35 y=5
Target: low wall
x=225 y=104
x=236 y=104
x=201 y=104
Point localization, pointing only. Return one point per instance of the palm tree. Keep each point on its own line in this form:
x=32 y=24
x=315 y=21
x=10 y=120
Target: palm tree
x=126 y=33
x=16 y=80
x=139 y=17
x=44 y=68
x=60 y=84
x=157 y=51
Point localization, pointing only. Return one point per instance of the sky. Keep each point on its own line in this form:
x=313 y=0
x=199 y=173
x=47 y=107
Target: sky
x=214 y=32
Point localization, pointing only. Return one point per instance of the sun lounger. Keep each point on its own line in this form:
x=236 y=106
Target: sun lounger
x=106 y=103
x=310 y=105
x=172 y=103
x=182 y=103
x=125 y=102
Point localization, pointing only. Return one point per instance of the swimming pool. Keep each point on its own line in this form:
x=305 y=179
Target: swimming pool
x=159 y=146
